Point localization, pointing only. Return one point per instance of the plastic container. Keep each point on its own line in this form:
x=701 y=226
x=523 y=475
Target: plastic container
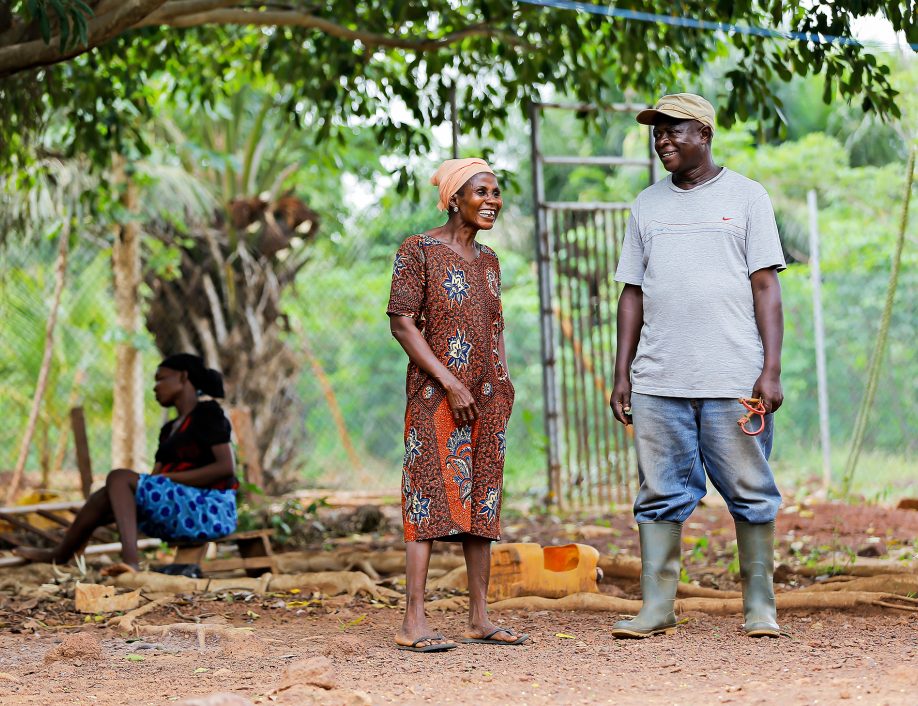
x=551 y=572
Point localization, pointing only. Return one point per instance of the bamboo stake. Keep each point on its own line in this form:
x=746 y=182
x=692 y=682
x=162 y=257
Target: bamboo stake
x=873 y=376
x=60 y=272
x=333 y=407
x=819 y=337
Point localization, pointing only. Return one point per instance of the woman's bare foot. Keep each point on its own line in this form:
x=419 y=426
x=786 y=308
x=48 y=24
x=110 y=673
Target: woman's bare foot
x=119 y=568
x=37 y=555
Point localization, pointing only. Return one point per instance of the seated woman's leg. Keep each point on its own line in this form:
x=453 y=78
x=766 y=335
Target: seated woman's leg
x=96 y=512
x=121 y=485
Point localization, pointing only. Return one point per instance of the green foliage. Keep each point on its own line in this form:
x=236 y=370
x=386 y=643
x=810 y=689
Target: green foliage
x=291 y=522
x=67 y=16
x=391 y=67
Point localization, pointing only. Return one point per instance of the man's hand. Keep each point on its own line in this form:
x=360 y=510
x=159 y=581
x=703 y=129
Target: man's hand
x=620 y=402
x=768 y=389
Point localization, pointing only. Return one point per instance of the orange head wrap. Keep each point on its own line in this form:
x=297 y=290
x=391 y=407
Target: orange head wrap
x=453 y=173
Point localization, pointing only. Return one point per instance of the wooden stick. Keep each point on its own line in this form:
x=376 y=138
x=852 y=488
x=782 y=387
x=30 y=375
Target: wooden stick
x=81 y=444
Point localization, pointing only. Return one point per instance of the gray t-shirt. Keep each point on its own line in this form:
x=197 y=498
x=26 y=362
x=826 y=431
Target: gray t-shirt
x=692 y=253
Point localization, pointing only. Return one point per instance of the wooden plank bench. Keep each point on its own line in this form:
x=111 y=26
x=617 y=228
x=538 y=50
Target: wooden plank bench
x=255 y=554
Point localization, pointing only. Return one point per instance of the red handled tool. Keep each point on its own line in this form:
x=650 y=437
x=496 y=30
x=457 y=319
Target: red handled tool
x=755 y=406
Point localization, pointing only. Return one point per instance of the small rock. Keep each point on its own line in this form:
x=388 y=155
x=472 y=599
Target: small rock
x=81 y=645
x=873 y=549
x=94 y=598
x=313 y=696
x=221 y=699
x=316 y=671
x=367 y=518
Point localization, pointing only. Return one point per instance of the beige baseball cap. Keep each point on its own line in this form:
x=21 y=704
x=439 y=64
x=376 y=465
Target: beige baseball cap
x=682 y=106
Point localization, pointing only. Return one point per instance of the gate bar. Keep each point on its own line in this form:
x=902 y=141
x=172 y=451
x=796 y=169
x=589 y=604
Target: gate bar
x=545 y=245
x=543 y=255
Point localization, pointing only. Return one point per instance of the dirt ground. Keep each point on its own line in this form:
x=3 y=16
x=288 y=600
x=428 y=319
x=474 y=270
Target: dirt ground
x=339 y=650
x=869 y=658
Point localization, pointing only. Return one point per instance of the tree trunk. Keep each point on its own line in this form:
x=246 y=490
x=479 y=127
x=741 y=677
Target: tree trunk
x=226 y=307
x=128 y=428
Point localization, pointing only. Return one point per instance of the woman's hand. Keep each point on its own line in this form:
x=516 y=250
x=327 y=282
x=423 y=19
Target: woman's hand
x=461 y=402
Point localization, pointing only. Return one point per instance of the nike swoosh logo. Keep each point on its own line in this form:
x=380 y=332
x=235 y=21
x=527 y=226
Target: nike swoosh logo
x=726 y=219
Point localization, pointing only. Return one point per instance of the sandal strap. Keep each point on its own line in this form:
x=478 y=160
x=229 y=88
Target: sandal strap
x=494 y=632
x=426 y=638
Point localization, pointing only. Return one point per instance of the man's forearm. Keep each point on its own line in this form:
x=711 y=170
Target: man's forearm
x=769 y=317
x=630 y=318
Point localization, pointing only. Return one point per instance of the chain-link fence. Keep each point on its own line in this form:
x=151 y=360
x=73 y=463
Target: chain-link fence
x=80 y=368
x=309 y=354
x=298 y=327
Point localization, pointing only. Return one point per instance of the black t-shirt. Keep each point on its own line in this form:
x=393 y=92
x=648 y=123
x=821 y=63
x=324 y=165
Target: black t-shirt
x=190 y=446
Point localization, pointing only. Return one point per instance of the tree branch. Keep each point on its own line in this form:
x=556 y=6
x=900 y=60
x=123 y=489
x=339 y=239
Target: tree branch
x=294 y=18
x=27 y=55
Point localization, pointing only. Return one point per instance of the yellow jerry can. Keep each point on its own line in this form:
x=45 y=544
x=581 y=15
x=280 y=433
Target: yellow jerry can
x=528 y=569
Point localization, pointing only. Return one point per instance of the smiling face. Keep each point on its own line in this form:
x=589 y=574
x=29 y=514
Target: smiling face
x=169 y=385
x=479 y=201
x=682 y=145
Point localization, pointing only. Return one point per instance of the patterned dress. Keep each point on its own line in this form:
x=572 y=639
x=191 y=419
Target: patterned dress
x=452 y=476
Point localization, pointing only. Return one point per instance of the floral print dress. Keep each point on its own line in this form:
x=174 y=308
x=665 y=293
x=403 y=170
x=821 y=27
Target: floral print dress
x=452 y=477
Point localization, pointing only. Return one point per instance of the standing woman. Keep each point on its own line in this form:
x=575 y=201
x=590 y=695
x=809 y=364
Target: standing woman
x=191 y=493
x=445 y=311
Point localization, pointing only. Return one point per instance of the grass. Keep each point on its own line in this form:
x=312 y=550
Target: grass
x=880 y=477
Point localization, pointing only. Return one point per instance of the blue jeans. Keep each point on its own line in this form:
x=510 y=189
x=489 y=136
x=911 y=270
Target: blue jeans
x=678 y=439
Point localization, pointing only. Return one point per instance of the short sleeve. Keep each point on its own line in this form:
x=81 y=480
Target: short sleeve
x=763 y=244
x=406 y=296
x=211 y=425
x=630 y=268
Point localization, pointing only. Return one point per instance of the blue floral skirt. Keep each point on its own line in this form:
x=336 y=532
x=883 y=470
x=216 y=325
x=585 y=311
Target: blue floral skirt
x=181 y=513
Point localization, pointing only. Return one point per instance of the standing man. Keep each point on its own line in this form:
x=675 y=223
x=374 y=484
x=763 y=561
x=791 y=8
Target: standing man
x=699 y=326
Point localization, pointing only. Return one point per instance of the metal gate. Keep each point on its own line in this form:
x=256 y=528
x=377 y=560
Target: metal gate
x=590 y=458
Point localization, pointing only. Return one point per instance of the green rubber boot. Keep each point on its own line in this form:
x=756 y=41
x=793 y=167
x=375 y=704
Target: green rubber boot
x=661 y=547
x=756 y=545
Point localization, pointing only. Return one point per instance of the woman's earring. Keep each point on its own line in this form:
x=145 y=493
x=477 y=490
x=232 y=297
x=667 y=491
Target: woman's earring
x=455 y=209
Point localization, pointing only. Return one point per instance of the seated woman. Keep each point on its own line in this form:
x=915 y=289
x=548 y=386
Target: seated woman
x=191 y=493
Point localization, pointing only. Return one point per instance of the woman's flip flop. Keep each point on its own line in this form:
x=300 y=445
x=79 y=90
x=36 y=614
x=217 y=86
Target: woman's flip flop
x=435 y=647
x=489 y=638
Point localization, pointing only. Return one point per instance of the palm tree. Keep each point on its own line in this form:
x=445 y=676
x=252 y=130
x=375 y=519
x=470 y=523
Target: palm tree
x=223 y=300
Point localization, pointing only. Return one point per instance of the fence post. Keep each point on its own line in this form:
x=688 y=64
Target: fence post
x=819 y=334
x=546 y=314
x=128 y=429
x=81 y=445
